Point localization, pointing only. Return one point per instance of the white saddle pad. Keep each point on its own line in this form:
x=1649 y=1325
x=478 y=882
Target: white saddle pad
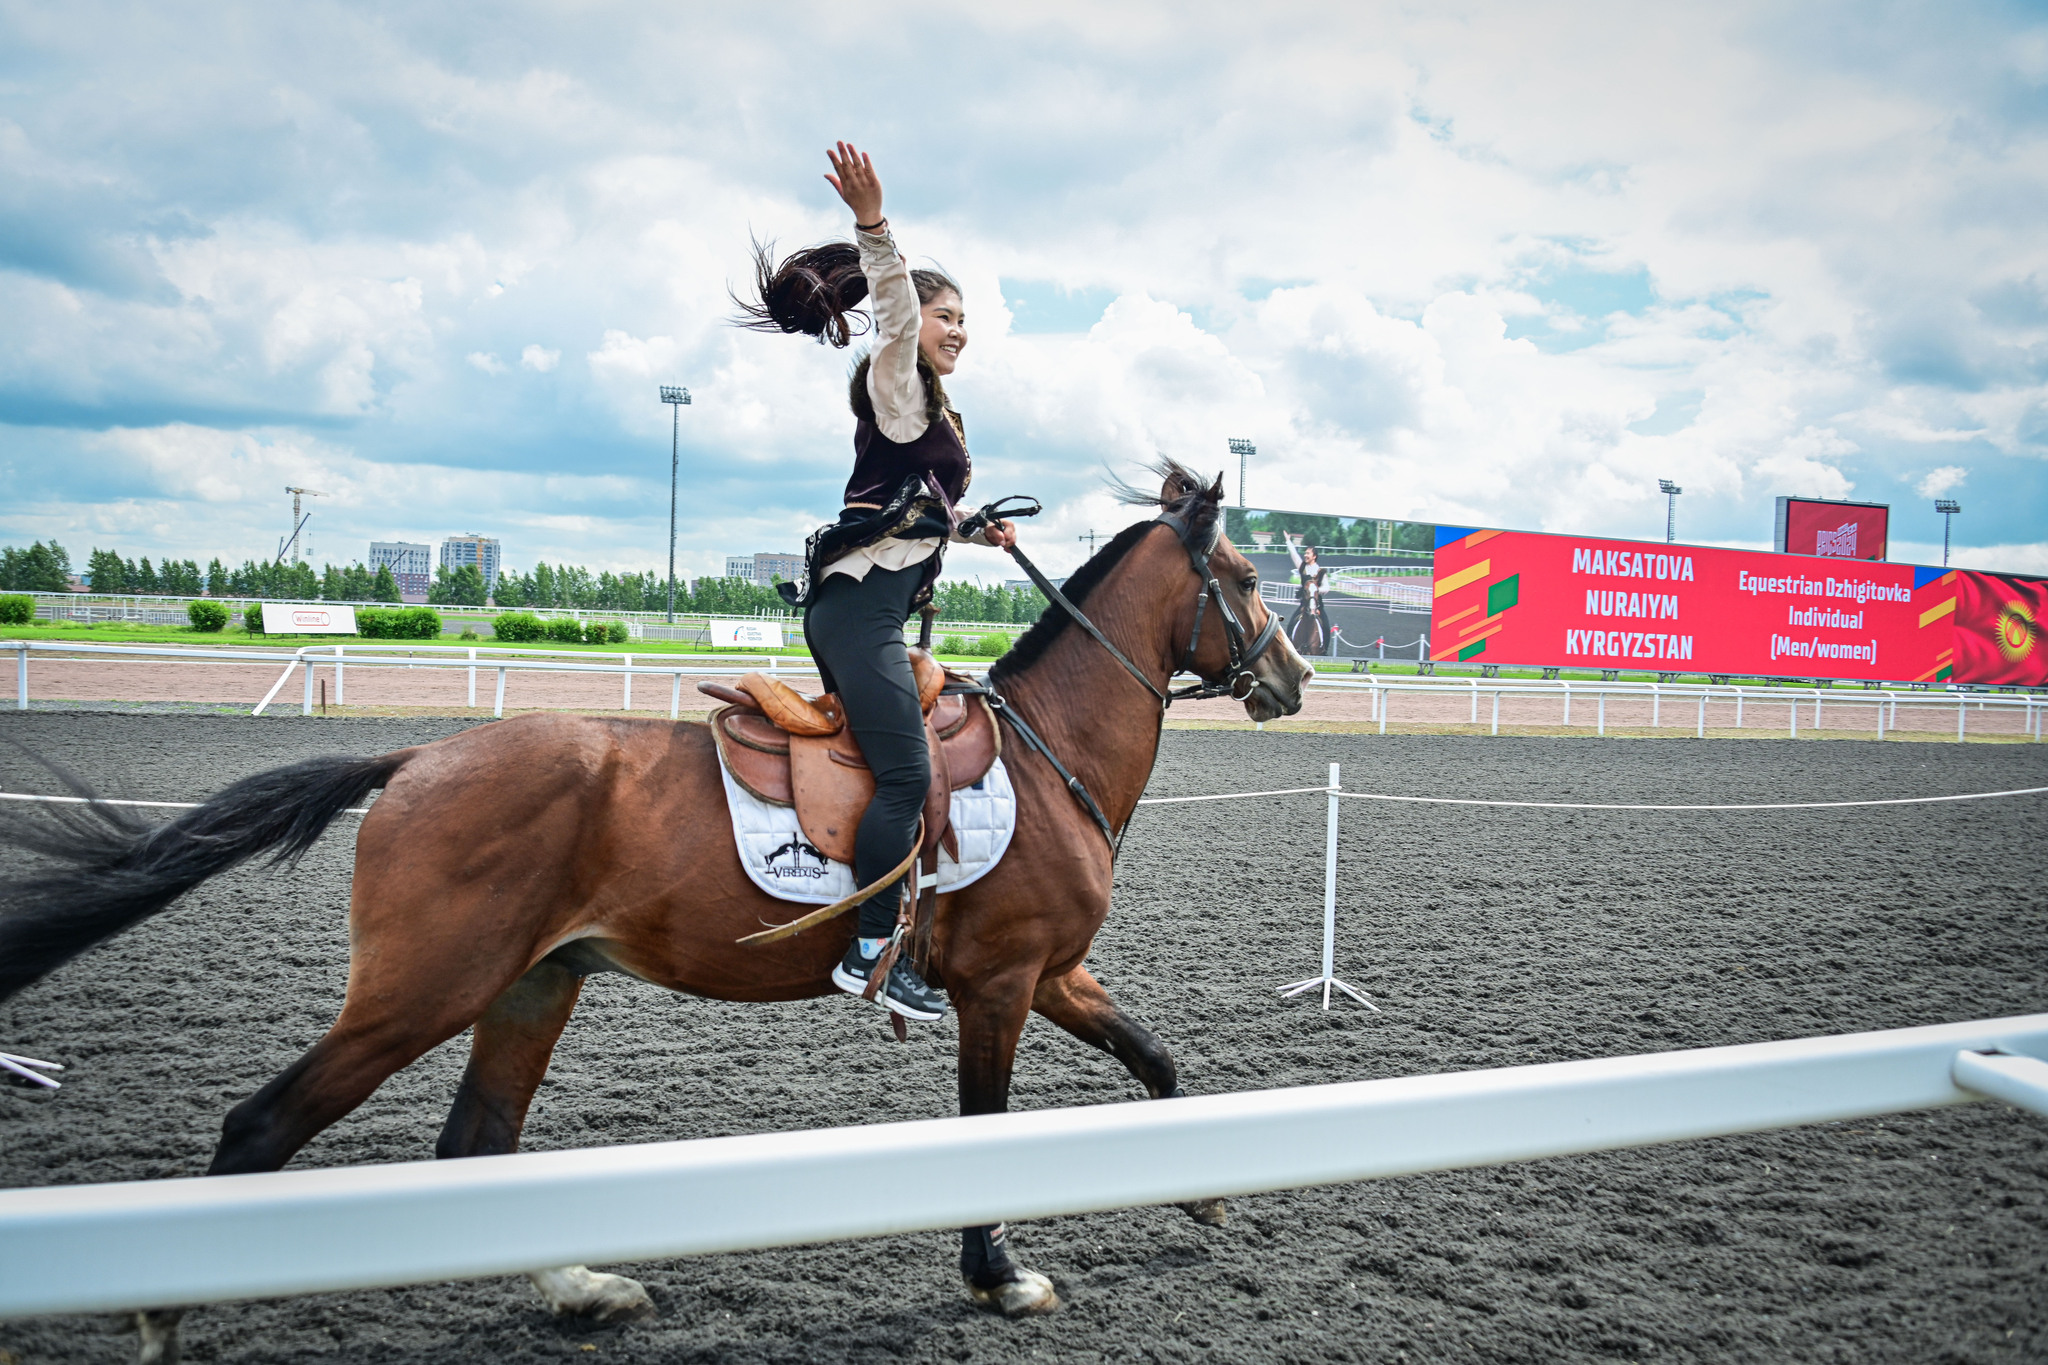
x=782 y=862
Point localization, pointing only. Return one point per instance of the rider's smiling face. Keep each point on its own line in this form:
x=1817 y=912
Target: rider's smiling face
x=944 y=334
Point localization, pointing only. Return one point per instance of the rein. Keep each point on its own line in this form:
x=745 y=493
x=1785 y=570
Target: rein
x=1243 y=653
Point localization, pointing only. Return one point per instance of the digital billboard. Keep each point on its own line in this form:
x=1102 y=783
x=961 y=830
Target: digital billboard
x=1828 y=529
x=1363 y=587
x=1998 y=624
x=1520 y=597
x=1374 y=577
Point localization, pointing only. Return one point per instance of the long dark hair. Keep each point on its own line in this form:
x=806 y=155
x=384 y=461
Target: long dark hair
x=818 y=291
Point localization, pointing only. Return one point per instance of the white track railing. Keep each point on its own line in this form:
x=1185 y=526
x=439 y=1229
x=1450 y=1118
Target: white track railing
x=102 y=1247
x=1883 y=706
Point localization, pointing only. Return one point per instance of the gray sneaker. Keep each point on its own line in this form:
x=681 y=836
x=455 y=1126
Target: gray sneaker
x=904 y=992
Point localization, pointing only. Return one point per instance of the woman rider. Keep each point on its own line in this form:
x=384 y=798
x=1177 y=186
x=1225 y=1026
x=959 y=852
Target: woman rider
x=866 y=573
x=1308 y=630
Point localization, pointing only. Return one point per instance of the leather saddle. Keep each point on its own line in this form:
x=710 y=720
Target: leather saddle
x=792 y=750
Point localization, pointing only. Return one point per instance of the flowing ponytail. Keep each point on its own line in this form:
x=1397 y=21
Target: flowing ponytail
x=816 y=291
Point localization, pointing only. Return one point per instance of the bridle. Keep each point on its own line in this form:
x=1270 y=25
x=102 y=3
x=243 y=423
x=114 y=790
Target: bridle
x=1238 y=681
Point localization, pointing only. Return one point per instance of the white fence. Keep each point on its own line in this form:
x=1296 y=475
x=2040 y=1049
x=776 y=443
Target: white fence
x=1774 y=706
x=1582 y=704
x=100 y=608
x=101 y=1247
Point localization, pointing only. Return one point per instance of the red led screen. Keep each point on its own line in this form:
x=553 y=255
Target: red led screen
x=1518 y=597
x=1835 y=530
x=1999 y=620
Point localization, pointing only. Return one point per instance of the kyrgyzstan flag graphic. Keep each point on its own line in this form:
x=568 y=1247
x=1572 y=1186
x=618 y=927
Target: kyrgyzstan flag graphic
x=1999 y=624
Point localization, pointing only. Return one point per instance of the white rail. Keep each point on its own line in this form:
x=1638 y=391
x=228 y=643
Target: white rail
x=101 y=1247
x=1883 y=705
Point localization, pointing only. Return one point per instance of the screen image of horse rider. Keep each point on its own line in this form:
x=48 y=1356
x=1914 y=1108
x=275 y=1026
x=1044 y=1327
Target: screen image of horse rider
x=1308 y=629
x=866 y=573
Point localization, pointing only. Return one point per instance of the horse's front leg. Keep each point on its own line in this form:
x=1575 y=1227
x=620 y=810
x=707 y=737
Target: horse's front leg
x=1078 y=1004
x=992 y=1015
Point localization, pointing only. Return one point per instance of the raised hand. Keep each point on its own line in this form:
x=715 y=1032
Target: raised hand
x=853 y=176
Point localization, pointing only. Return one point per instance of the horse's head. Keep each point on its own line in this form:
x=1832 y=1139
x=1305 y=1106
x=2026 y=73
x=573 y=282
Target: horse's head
x=1227 y=634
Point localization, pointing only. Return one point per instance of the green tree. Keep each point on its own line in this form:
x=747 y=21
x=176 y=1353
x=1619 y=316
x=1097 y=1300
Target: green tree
x=216 y=578
x=106 y=571
x=463 y=587
x=385 y=587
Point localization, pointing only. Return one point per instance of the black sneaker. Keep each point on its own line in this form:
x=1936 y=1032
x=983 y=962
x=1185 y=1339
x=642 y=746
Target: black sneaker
x=904 y=991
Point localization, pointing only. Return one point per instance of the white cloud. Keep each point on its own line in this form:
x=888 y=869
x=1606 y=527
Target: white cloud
x=1939 y=481
x=1493 y=265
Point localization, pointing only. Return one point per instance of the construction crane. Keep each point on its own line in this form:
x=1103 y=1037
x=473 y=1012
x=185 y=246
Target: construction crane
x=292 y=545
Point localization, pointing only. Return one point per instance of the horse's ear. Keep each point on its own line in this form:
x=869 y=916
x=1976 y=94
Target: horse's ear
x=1216 y=488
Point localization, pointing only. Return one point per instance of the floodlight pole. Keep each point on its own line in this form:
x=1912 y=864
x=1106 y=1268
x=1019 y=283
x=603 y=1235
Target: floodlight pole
x=1671 y=492
x=1243 y=449
x=1948 y=509
x=677 y=398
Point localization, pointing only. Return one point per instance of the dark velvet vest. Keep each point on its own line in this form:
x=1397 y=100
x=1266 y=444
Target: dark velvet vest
x=880 y=465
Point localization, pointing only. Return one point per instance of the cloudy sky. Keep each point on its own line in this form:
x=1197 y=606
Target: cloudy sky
x=1494 y=265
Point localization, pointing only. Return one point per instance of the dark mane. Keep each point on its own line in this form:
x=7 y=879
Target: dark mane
x=1200 y=505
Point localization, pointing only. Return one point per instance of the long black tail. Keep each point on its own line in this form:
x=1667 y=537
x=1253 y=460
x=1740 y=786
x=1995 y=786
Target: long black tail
x=120 y=868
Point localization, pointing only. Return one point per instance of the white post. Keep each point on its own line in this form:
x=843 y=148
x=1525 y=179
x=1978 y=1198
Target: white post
x=1330 y=890
x=1656 y=706
x=1880 y=717
x=340 y=684
x=1603 y=714
x=1816 y=710
x=1496 y=715
x=21 y=676
x=472 y=679
x=1384 y=698
x=1793 y=709
x=629 y=683
x=1702 y=731
x=1738 y=707
x=1328 y=979
x=1567 y=703
x=306 y=706
x=1962 y=710
x=675 y=698
x=1475 y=700
x=498 y=708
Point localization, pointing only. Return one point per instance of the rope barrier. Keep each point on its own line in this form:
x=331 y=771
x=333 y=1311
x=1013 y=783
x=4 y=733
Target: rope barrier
x=1782 y=805
x=157 y=805
x=1284 y=791
x=1226 y=796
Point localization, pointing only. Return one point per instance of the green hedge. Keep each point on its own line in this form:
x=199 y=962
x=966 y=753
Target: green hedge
x=402 y=623
x=17 y=610
x=252 y=618
x=992 y=645
x=207 y=615
x=518 y=627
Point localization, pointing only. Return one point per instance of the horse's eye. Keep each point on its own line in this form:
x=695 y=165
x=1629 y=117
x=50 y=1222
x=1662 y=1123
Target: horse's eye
x=1251 y=584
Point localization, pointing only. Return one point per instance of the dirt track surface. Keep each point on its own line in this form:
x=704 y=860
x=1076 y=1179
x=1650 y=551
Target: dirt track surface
x=1490 y=938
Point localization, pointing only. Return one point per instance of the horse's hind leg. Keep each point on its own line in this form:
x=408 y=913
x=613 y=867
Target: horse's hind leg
x=508 y=1055
x=1078 y=1004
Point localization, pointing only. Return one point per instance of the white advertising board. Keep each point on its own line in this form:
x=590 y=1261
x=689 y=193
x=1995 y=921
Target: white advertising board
x=308 y=618
x=746 y=634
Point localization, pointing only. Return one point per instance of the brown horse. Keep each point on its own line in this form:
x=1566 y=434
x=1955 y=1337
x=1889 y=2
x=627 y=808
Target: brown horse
x=605 y=845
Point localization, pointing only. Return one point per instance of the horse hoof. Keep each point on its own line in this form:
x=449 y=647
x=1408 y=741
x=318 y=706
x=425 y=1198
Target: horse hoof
x=577 y=1291
x=1026 y=1296
x=1210 y=1213
x=159 y=1329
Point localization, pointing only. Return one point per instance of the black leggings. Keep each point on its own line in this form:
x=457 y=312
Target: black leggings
x=855 y=631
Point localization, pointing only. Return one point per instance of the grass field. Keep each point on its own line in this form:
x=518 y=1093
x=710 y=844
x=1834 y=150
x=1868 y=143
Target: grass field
x=120 y=633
